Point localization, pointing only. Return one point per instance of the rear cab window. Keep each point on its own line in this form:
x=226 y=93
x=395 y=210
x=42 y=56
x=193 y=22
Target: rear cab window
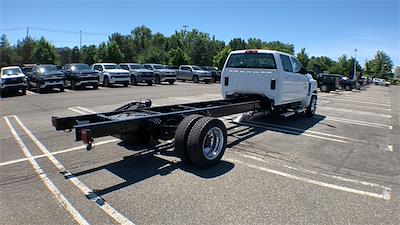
x=252 y=60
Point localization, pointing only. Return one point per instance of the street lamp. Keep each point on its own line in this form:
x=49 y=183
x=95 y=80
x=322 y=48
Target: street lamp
x=355 y=69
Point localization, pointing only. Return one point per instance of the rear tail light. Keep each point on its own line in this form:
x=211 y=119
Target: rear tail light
x=85 y=136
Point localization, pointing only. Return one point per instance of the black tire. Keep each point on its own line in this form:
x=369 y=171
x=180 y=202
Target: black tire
x=126 y=84
x=73 y=85
x=206 y=81
x=133 y=80
x=23 y=91
x=106 y=82
x=39 y=90
x=213 y=80
x=347 y=88
x=62 y=89
x=95 y=86
x=149 y=83
x=157 y=79
x=310 y=110
x=171 y=82
x=197 y=137
x=196 y=79
x=182 y=134
x=324 y=88
x=183 y=80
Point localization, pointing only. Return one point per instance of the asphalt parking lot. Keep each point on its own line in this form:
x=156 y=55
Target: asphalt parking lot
x=340 y=167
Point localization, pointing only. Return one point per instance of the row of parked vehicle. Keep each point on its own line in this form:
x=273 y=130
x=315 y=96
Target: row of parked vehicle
x=78 y=75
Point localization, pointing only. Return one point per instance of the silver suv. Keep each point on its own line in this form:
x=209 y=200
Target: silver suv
x=111 y=73
x=193 y=73
x=162 y=73
x=138 y=73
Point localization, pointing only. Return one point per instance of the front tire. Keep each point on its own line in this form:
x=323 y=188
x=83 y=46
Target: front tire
x=312 y=107
x=195 y=79
x=73 y=85
x=23 y=91
x=207 y=142
x=149 y=83
x=171 y=82
x=347 y=88
x=133 y=80
x=95 y=87
x=106 y=82
x=157 y=79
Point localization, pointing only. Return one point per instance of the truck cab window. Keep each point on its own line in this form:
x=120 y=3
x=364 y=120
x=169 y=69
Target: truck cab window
x=286 y=64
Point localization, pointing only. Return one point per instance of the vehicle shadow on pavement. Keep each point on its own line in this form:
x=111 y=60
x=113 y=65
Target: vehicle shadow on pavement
x=149 y=162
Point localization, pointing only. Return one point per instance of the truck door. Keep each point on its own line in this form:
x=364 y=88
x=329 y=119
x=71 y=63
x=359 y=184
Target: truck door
x=289 y=89
x=301 y=79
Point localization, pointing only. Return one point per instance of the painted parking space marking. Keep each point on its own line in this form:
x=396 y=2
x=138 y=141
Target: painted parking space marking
x=46 y=180
x=356 y=111
x=57 y=152
x=389 y=148
x=90 y=194
x=385 y=195
x=348 y=100
x=359 y=106
x=363 y=100
x=358 y=122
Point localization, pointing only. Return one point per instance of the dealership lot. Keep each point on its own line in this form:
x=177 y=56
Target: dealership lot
x=340 y=167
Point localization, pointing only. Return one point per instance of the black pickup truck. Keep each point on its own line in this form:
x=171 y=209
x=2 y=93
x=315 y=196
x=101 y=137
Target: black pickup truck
x=327 y=82
x=80 y=75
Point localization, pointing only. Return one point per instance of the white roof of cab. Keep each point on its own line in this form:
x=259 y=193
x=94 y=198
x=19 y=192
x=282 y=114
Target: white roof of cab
x=260 y=51
x=10 y=67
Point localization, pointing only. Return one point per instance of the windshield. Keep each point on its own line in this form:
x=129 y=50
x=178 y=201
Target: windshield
x=158 y=67
x=13 y=71
x=111 y=66
x=252 y=60
x=80 y=67
x=48 y=68
x=196 y=68
x=136 y=66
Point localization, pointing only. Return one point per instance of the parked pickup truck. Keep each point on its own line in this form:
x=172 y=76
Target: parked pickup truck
x=45 y=77
x=138 y=73
x=193 y=73
x=379 y=81
x=346 y=83
x=111 y=73
x=215 y=73
x=79 y=75
x=252 y=81
x=162 y=73
x=12 y=79
x=328 y=82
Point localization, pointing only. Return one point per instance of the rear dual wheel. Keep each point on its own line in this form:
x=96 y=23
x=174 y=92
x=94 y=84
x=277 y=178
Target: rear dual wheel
x=201 y=140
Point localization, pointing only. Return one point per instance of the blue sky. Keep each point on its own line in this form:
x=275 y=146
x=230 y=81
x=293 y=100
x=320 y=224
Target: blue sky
x=325 y=27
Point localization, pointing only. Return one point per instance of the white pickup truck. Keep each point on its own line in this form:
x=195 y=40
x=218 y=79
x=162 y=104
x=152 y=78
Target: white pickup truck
x=111 y=73
x=12 y=79
x=274 y=75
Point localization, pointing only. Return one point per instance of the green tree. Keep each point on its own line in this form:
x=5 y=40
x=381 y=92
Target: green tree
x=303 y=57
x=178 y=57
x=45 y=53
x=88 y=54
x=126 y=45
x=254 y=43
x=381 y=65
x=75 y=55
x=114 y=53
x=101 y=53
x=220 y=58
x=237 y=44
x=25 y=50
x=8 y=54
x=280 y=46
x=64 y=54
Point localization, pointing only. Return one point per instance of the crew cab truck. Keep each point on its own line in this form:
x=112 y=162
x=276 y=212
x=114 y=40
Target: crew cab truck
x=193 y=73
x=111 y=73
x=252 y=80
x=138 y=73
x=12 y=79
x=162 y=73
x=45 y=77
x=80 y=75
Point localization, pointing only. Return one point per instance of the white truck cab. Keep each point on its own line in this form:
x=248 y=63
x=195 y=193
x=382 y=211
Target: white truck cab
x=111 y=73
x=274 y=75
x=12 y=79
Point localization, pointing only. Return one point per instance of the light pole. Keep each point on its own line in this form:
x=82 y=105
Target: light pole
x=355 y=69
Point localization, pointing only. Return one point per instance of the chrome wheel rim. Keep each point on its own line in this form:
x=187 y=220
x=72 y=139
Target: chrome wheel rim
x=213 y=143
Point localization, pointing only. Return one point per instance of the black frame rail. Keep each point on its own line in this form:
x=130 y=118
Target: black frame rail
x=139 y=117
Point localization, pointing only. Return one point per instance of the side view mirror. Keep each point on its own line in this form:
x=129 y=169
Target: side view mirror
x=303 y=71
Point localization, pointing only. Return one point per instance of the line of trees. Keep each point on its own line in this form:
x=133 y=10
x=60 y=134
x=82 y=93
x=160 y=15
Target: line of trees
x=183 y=47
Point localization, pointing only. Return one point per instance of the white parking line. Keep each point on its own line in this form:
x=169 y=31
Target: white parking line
x=108 y=209
x=389 y=148
x=348 y=100
x=85 y=109
x=46 y=180
x=77 y=110
x=385 y=195
x=358 y=122
x=56 y=152
x=364 y=100
x=356 y=111
x=363 y=106
x=31 y=92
